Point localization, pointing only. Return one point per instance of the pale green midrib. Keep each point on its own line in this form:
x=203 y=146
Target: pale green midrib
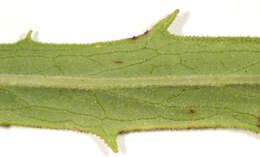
x=39 y=81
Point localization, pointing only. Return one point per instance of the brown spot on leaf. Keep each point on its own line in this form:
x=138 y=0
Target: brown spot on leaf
x=146 y=32
x=5 y=125
x=189 y=127
x=136 y=37
x=258 y=119
x=118 y=62
x=192 y=111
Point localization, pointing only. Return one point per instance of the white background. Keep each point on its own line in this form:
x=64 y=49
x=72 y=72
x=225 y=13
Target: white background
x=83 y=21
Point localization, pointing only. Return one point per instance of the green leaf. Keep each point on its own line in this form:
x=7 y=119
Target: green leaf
x=152 y=81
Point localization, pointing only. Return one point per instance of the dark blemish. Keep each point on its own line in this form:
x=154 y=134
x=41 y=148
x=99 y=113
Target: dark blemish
x=146 y=32
x=118 y=62
x=258 y=119
x=136 y=37
x=5 y=125
x=189 y=127
x=192 y=111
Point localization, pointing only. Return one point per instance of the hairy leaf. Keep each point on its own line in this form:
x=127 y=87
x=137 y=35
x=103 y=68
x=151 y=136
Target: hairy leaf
x=152 y=81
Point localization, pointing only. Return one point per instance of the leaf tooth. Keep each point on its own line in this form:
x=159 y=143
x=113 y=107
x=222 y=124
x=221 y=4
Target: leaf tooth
x=110 y=140
x=163 y=24
x=29 y=35
x=27 y=39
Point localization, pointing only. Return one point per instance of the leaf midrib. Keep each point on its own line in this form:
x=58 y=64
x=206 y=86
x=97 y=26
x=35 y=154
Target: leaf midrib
x=40 y=81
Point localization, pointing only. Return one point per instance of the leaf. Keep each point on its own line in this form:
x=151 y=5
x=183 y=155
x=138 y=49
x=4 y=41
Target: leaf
x=152 y=81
